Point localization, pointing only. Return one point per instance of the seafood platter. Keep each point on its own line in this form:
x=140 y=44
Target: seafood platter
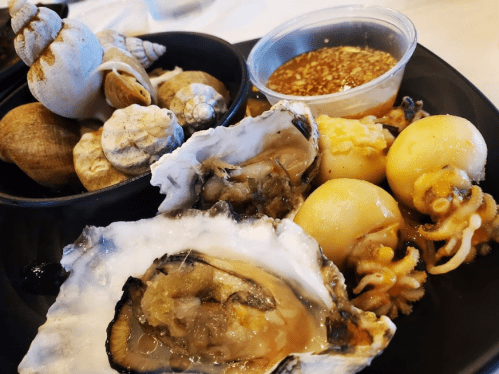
x=199 y=227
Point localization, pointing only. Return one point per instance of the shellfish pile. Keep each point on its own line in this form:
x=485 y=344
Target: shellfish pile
x=82 y=76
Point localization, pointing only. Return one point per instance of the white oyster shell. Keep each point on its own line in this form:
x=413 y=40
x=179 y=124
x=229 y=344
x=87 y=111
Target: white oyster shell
x=177 y=173
x=73 y=338
x=136 y=136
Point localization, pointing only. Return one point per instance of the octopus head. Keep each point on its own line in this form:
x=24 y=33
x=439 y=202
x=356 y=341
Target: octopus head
x=440 y=153
x=343 y=214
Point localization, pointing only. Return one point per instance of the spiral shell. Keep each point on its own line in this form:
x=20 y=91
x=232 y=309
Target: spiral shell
x=135 y=137
x=198 y=107
x=91 y=165
x=40 y=143
x=64 y=56
x=144 y=51
x=126 y=81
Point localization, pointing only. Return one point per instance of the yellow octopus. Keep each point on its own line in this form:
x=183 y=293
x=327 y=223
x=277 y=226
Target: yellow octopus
x=357 y=224
x=433 y=167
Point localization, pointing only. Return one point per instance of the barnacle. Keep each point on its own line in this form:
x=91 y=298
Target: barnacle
x=431 y=168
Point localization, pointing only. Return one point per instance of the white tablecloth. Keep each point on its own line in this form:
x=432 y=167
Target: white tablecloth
x=465 y=33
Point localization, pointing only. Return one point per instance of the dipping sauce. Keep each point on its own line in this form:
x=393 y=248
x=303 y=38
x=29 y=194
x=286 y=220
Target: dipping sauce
x=329 y=70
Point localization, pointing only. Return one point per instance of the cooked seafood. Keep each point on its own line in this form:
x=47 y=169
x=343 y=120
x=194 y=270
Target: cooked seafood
x=136 y=136
x=144 y=51
x=197 y=98
x=198 y=107
x=91 y=165
x=125 y=80
x=261 y=165
x=67 y=62
x=41 y=144
x=63 y=56
x=207 y=294
x=447 y=155
x=358 y=226
x=352 y=148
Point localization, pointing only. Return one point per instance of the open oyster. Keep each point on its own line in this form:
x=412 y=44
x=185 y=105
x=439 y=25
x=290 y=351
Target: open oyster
x=203 y=292
x=261 y=165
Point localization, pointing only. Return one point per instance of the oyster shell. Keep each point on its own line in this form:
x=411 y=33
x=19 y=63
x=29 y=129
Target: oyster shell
x=261 y=165
x=289 y=265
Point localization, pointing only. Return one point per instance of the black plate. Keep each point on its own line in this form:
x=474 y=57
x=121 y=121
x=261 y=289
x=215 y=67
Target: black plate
x=454 y=329
x=12 y=69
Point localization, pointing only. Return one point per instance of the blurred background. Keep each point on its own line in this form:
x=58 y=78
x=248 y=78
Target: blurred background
x=464 y=33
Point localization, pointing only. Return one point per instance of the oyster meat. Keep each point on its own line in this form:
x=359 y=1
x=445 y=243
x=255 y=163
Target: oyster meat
x=203 y=292
x=262 y=165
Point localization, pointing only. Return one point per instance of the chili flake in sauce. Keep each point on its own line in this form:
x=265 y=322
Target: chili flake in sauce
x=329 y=70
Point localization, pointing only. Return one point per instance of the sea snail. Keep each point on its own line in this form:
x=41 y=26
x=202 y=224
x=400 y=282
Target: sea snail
x=63 y=56
x=432 y=167
x=126 y=81
x=357 y=224
x=68 y=63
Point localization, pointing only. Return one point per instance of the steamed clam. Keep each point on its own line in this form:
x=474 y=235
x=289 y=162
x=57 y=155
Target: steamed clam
x=208 y=293
x=261 y=165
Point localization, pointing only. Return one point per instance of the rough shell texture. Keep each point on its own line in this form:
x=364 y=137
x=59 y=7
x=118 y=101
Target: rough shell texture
x=73 y=338
x=63 y=75
x=31 y=41
x=198 y=107
x=91 y=165
x=129 y=80
x=135 y=137
x=167 y=90
x=177 y=174
x=40 y=143
x=144 y=51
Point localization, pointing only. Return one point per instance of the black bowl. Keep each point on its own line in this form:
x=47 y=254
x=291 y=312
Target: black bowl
x=190 y=51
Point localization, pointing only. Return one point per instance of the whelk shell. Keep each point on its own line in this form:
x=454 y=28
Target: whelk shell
x=64 y=56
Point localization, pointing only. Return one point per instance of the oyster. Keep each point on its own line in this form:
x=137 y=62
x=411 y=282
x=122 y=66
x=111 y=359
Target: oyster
x=262 y=165
x=203 y=292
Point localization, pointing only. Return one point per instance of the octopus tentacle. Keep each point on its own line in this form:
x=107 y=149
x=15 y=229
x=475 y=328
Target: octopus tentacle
x=461 y=254
x=387 y=286
x=446 y=227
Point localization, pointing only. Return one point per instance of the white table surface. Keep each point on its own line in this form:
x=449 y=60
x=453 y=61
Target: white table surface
x=464 y=33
